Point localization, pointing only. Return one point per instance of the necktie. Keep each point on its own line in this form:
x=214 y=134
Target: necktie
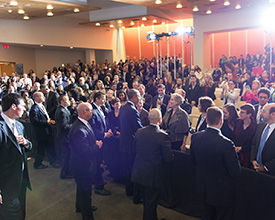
x=261 y=146
x=45 y=111
x=261 y=117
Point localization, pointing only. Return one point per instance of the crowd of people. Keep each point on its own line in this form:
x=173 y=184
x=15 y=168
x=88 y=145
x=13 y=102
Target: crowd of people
x=103 y=114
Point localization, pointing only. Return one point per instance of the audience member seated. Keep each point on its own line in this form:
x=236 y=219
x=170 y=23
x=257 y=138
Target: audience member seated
x=231 y=94
x=251 y=95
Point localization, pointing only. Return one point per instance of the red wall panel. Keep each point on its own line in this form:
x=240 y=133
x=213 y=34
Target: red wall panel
x=146 y=46
x=255 y=41
x=131 y=42
x=237 y=39
x=220 y=46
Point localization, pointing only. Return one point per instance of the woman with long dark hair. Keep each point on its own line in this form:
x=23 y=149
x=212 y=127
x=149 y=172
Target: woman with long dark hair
x=230 y=117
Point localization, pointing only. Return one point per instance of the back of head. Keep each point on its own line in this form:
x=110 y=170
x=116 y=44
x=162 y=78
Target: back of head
x=154 y=116
x=214 y=116
x=10 y=99
x=132 y=93
x=205 y=102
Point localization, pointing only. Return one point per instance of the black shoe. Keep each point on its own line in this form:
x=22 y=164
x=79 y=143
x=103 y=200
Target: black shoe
x=139 y=201
x=55 y=165
x=94 y=208
x=102 y=192
x=41 y=166
x=67 y=177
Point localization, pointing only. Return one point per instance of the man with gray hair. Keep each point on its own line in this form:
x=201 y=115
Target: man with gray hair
x=153 y=149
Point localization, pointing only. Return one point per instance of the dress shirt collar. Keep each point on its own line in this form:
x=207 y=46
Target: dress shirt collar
x=271 y=129
x=98 y=107
x=85 y=122
x=208 y=126
x=131 y=103
x=8 y=120
x=40 y=105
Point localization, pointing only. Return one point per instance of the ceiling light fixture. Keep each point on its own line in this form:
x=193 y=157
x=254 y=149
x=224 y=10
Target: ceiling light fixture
x=119 y=21
x=195 y=9
x=212 y=0
x=154 y=21
x=49 y=7
x=21 y=11
x=142 y=25
x=13 y=3
x=76 y=10
x=132 y=23
x=238 y=6
x=10 y=11
x=41 y=45
x=163 y=22
x=179 y=5
x=158 y=2
x=26 y=17
x=226 y=3
x=111 y=26
x=50 y=14
x=71 y=48
x=209 y=12
x=123 y=27
x=144 y=19
x=97 y=24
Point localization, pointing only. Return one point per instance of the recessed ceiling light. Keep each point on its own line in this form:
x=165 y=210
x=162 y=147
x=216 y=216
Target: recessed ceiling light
x=111 y=26
x=21 y=11
x=144 y=19
x=49 y=7
x=226 y=3
x=209 y=12
x=97 y=24
x=26 y=17
x=50 y=14
x=123 y=27
x=41 y=45
x=158 y=2
x=132 y=23
x=212 y=0
x=163 y=22
x=238 y=6
x=142 y=25
x=76 y=10
x=119 y=21
x=154 y=21
x=10 y=11
x=13 y=3
x=71 y=48
x=179 y=5
x=195 y=9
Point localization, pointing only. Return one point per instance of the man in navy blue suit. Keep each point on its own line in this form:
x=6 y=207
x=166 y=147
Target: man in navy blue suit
x=129 y=123
x=99 y=125
x=85 y=148
x=14 y=177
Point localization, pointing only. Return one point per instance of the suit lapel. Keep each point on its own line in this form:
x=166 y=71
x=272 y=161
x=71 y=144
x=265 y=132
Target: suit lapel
x=270 y=139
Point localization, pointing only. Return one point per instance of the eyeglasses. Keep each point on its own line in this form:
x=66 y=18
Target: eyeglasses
x=262 y=97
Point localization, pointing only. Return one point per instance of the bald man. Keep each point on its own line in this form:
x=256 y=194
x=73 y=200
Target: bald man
x=263 y=151
x=153 y=149
x=84 y=148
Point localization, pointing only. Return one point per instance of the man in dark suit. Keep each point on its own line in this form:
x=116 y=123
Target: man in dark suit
x=217 y=167
x=263 y=151
x=34 y=78
x=161 y=100
x=84 y=148
x=41 y=124
x=129 y=122
x=147 y=97
x=63 y=125
x=193 y=91
x=14 y=177
x=99 y=125
x=153 y=150
x=263 y=97
x=51 y=100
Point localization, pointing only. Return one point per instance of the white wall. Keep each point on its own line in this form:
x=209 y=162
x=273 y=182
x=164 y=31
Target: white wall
x=219 y=22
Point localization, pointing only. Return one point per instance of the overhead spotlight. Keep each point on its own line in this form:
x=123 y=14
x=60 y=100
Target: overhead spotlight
x=158 y=2
x=195 y=9
x=154 y=21
x=119 y=21
x=226 y=3
x=41 y=45
x=271 y=1
x=144 y=18
x=111 y=26
x=13 y=3
x=179 y=5
x=71 y=48
x=152 y=36
x=26 y=17
x=76 y=10
x=123 y=27
x=209 y=12
x=50 y=14
x=49 y=7
x=184 y=30
x=163 y=22
x=21 y=11
x=10 y=11
x=142 y=25
x=132 y=23
x=97 y=24
x=212 y=0
x=238 y=6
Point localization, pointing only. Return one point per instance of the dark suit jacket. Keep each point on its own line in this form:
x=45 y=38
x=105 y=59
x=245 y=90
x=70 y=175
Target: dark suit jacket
x=192 y=94
x=187 y=107
x=39 y=122
x=203 y=126
x=144 y=117
x=83 y=151
x=268 y=153
x=52 y=103
x=129 y=122
x=164 y=105
x=98 y=124
x=12 y=155
x=148 y=99
x=217 y=167
x=153 y=149
x=63 y=123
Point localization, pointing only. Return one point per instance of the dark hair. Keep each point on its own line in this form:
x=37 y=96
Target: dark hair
x=60 y=98
x=122 y=92
x=131 y=93
x=265 y=91
x=43 y=86
x=114 y=100
x=234 y=81
x=205 y=103
x=233 y=115
x=97 y=95
x=214 y=115
x=10 y=99
x=248 y=108
x=74 y=94
x=161 y=86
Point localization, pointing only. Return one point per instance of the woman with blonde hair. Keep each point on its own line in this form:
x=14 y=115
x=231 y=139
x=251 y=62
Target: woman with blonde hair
x=207 y=87
x=100 y=86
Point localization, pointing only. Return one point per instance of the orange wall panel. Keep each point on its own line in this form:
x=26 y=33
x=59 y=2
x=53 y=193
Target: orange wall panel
x=146 y=46
x=255 y=41
x=131 y=42
x=237 y=42
x=220 y=46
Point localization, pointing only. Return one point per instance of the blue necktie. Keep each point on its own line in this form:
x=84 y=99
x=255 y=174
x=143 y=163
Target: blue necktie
x=261 y=146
